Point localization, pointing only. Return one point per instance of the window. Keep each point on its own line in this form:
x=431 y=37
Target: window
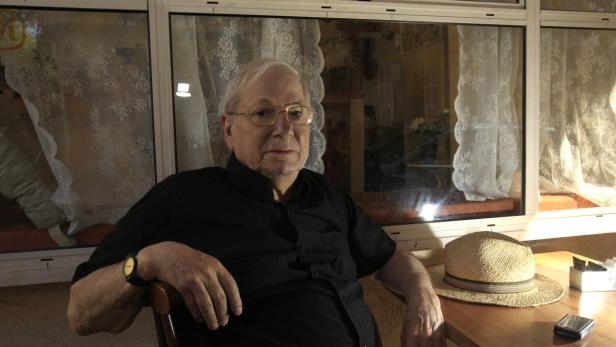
x=461 y=1
x=578 y=118
x=78 y=119
x=577 y=5
x=421 y=122
x=76 y=139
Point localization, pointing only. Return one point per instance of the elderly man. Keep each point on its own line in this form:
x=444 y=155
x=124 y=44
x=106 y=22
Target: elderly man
x=264 y=252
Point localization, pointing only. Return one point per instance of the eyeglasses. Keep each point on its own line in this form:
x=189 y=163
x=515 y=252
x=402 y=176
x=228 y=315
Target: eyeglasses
x=268 y=115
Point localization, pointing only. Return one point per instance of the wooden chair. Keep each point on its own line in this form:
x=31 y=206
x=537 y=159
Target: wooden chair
x=162 y=297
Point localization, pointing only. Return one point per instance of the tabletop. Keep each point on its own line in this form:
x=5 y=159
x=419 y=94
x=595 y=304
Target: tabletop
x=486 y=325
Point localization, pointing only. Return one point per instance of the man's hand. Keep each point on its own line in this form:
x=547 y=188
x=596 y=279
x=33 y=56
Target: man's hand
x=207 y=288
x=423 y=322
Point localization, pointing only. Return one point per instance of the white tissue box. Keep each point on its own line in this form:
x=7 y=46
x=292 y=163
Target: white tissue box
x=592 y=281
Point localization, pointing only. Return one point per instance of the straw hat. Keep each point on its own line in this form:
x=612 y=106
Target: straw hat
x=492 y=268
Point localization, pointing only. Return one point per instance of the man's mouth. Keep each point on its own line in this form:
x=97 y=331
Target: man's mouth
x=282 y=151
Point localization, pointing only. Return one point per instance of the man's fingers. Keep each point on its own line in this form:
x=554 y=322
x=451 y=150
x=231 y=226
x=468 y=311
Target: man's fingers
x=423 y=340
x=441 y=336
x=191 y=305
x=232 y=291
x=428 y=326
x=219 y=299
x=423 y=329
x=429 y=333
x=411 y=334
x=204 y=303
x=435 y=333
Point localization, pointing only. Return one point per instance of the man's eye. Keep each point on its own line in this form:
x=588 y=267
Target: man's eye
x=295 y=114
x=265 y=113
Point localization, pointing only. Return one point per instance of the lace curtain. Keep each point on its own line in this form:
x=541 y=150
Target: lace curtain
x=578 y=113
x=488 y=126
x=84 y=80
x=207 y=51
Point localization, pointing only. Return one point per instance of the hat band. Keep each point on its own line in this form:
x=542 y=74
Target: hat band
x=490 y=287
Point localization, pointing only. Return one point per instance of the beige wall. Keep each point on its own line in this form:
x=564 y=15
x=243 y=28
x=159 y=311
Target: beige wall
x=599 y=247
x=35 y=315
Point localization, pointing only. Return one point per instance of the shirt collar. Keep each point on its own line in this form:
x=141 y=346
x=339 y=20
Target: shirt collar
x=253 y=184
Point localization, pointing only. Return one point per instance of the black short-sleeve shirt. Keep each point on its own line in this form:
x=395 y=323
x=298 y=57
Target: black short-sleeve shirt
x=296 y=263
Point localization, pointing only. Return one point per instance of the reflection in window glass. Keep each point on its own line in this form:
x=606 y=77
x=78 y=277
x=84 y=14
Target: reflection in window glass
x=578 y=118
x=76 y=140
x=443 y=1
x=577 y=5
x=388 y=98
x=207 y=51
x=395 y=92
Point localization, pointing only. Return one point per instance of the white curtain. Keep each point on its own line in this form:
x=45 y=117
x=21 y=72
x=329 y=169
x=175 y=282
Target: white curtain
x=84 y=80
x=213 y=49
x=191 y=124
x=488 y=126
x=578 y=113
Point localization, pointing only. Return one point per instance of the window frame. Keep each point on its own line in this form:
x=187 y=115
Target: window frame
x=58 y=265
x=125 y=5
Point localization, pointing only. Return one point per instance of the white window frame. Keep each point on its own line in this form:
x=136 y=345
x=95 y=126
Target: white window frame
x=124 y=5
x=58 y=265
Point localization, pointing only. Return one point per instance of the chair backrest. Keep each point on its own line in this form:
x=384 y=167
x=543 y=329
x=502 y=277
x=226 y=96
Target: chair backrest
x=162 y=297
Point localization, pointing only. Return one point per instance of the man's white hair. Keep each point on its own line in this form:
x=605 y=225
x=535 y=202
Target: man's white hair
x=251 y=72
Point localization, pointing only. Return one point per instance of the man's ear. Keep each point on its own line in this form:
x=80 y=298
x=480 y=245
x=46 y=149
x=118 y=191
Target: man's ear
x=226 y=122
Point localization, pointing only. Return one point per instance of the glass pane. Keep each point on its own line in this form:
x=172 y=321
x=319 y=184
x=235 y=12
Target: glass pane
x=578 y=118
x=577 y=5
x=445 y=1
x=207 y=51
x=393 y=95
x=76 y=139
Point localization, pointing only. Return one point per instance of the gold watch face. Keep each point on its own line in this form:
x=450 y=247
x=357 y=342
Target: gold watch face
x=129 y=265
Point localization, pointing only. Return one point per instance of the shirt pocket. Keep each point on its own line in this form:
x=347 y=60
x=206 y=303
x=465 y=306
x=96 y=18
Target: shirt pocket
x=334 y=242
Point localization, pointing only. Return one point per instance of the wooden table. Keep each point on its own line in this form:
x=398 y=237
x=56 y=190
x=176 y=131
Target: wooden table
x=485 y=325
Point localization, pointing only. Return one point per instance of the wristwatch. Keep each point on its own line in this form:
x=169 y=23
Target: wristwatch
x=129 y=268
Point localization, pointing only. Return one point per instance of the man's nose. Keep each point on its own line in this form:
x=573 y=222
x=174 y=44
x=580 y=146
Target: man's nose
x=283 y=123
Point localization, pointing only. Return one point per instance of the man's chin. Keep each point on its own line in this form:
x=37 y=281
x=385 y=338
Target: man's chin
x=281 y=170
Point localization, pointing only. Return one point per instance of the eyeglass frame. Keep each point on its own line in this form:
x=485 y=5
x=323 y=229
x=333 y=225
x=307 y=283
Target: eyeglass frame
x=284 y=109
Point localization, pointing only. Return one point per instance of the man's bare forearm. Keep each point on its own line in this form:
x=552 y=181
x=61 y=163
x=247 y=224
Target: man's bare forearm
x=404 y=274
x=103 y=301
x=423 y=321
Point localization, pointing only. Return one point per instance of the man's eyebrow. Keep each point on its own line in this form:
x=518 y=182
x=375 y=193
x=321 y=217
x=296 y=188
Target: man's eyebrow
x=269 y=102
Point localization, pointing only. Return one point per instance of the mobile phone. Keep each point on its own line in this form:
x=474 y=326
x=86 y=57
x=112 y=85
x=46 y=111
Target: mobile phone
x=573 y=327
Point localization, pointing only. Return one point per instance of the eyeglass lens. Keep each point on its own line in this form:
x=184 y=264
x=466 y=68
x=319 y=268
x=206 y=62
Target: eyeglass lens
x=297 y=114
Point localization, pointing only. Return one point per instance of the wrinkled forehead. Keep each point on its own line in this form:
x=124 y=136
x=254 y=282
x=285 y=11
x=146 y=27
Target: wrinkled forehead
x=278 y=85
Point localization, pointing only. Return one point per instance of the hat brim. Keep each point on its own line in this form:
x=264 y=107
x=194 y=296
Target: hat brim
x=546 y=291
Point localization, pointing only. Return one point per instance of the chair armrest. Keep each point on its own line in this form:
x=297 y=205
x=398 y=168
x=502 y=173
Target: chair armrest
x=162 y=297
x=400 y=297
